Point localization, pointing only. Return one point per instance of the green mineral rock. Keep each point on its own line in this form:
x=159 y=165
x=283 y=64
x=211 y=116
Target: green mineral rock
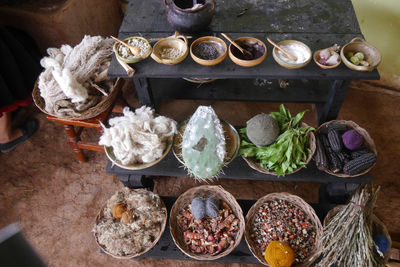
x=262 y=130
x=203 y=144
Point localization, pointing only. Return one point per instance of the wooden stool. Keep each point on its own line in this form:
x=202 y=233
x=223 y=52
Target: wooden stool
x=74 y=133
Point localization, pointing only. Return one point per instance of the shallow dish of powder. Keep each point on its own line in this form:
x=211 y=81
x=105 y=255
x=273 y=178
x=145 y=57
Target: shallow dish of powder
x=298 y=49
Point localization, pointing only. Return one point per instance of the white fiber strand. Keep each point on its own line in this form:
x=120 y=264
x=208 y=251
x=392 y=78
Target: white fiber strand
x=138 y=137
x=68 y=72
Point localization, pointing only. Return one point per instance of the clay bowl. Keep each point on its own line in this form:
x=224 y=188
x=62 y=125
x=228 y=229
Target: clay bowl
x=322 y=66
x=215 y=42
x=371 y=54
x=279 y=56
x=132 y=58
x=258 y=46
x=176 y=42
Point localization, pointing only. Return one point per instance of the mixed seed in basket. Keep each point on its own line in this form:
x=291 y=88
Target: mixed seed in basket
x=342 y=150
x=279 y=220
x=209 y=227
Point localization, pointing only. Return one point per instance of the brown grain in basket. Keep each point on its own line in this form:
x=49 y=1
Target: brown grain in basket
x=185 y=199
x=252 y=161
x=295 y=200
x=92 y=112
x=163 y=225
x=378 y=227
x=368 y=142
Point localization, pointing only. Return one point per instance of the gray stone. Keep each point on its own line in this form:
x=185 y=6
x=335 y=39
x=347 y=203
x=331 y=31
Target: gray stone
x=262 y=130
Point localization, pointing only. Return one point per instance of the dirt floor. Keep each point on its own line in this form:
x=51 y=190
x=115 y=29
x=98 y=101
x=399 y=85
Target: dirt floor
x=55 y=198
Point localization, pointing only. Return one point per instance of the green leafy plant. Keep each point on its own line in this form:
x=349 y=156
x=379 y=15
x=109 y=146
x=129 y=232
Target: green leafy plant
x=288 y=152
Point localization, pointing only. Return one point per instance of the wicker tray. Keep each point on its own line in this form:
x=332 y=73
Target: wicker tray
x=185 y=199
x=163 y=225
x=367 y=141
x=92 y=112
x=299 y=202
x=252 y=161
x=377 y=228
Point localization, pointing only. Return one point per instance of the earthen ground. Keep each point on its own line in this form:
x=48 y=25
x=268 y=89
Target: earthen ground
x=55 y=198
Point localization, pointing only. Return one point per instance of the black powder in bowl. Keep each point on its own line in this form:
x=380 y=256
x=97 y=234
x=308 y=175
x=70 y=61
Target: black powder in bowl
x=206 y=51
x=257 y=50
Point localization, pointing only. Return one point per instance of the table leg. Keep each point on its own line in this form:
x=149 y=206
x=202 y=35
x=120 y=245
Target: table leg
x=336 y=193
x=143 y=91
x=330 y=110
x=73 y=142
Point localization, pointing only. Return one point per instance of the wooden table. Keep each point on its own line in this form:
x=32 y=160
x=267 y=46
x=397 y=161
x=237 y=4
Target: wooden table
x=317 y=23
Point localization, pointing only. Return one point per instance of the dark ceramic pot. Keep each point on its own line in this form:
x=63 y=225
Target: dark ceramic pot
x=184 y=19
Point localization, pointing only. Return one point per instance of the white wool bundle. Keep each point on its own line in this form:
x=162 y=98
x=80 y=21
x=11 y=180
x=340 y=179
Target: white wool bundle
x=138 y=137
x=68 y=69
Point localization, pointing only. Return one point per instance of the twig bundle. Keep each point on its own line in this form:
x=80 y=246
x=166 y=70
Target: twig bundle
x=347 y=238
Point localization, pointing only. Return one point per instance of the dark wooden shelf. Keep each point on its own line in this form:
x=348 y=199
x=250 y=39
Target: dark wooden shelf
x=166 y=248
x=268 y=69
x=299 y=91
x=238 y=169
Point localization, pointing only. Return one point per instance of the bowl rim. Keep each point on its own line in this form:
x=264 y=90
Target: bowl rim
x=292 y=65
x=252 y=39
x=109 y=151
x=355 y=67
x=204 y=39
x=316 y=54
x=248 y=63
x=170 y=61
x=132 y=59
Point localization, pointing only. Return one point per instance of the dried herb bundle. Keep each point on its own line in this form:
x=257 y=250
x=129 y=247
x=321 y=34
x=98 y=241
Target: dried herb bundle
x=347 y=238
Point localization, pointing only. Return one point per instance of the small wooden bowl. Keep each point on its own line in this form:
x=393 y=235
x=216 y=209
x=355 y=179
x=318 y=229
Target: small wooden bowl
x=371 y=54
x=216 y=42
x=185 y=199
x=297 y=201
x=287 y=64
x=176 y=41
x=322 y=66
x=378 y=227
x=244 y=62
x=368 y=142
x=132 y=59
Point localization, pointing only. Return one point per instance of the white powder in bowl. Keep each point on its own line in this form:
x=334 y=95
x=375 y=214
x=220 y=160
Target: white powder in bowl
x=300 y=52
x=126 y=53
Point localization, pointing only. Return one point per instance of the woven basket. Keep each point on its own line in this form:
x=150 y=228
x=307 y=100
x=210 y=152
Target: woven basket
x=163 y=225
x=94 y=111
x=295 y=200
x=378 y=227
x=367 y=141
x=252 y=161
x=185 y=199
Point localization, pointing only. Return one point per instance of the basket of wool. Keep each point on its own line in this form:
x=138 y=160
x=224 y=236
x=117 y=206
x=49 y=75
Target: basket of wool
x=74 y=83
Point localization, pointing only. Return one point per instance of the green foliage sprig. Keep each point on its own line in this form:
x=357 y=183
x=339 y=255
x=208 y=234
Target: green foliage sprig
x=288 y=152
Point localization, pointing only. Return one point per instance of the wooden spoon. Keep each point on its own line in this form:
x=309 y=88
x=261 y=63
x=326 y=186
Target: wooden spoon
x=244 y=51
x=134 y=50
x=282 y=50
